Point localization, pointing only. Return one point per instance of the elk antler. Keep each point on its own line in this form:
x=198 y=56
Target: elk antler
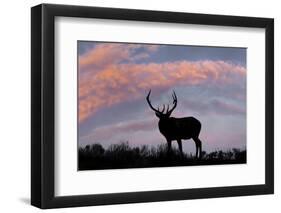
x=148 y=101
x=168 y=112
x=175 y=101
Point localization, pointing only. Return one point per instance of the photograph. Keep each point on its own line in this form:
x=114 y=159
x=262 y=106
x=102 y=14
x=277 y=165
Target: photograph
x=146 y=105
x=141 y=105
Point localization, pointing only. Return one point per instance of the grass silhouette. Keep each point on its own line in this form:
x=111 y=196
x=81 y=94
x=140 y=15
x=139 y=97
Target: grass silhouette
x=118 y=156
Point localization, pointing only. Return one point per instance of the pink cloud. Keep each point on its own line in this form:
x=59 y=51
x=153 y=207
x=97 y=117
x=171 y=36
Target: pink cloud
x=112 y=53
x=225 y=141
x=116 y=83
x=136 y=132
x=109 y=131
x=214 y=106
x=226 y=108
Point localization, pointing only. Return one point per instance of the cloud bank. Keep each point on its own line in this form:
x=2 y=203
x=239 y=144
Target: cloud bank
x=108 y=75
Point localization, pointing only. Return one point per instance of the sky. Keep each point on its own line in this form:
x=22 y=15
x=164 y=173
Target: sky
x=115 y=78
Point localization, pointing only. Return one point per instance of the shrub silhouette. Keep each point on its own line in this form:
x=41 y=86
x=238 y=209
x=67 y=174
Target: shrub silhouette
x=121 y=155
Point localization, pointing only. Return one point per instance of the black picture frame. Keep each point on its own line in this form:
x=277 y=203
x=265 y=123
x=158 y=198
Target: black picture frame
x=43 y=102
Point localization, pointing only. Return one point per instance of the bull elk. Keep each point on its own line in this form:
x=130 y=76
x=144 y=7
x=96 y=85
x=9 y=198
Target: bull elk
x=177 y=128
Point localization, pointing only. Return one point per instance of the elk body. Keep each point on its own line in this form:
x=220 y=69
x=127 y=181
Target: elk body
x=177 y=128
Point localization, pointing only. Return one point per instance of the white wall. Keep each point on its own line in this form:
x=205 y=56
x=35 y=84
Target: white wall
x=15 y=105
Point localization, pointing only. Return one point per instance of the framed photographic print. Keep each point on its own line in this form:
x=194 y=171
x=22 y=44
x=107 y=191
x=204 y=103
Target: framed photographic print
x=140 y=106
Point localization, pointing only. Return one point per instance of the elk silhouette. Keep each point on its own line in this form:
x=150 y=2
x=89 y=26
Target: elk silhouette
x=177 y=128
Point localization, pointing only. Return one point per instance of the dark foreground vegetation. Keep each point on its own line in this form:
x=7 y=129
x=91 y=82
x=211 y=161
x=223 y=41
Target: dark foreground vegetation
x=118 y=156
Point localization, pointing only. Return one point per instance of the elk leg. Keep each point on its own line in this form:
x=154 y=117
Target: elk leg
x=196 y=156
x=198 y=147
x=180 y=146
x=169 y=142
x=194 y=139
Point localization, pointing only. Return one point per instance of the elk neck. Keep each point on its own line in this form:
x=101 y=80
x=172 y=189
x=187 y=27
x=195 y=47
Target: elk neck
x=164 y=122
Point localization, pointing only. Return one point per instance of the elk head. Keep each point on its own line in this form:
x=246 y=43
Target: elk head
x=165 y=112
